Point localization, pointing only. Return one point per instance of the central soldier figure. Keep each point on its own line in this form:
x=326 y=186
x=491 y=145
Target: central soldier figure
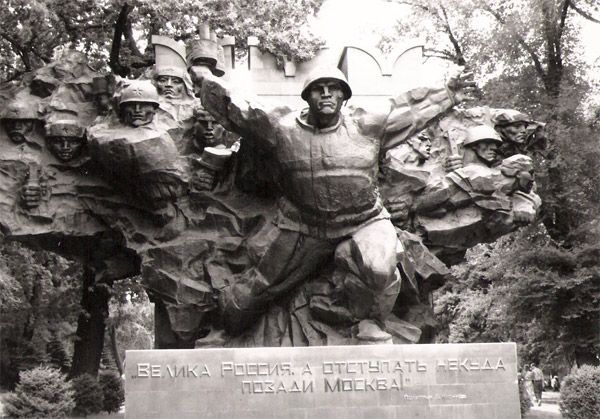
x=328 y=162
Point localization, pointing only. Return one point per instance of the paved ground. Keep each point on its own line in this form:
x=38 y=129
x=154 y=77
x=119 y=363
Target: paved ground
x=545 y=411
x=548 y=409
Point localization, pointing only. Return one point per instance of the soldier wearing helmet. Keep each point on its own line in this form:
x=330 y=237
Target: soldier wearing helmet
x=18 y=119
x=481 y=146
x=65 y=139
x=138 y=103
x=205 y=57
x=518 y=131
x=512 y=125
x=170 y=69
x=328 y=161
x=139 y=153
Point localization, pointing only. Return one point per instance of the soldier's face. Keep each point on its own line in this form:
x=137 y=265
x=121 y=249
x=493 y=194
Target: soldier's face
x=170 y=87
x=137 y=114
x=325 y=97
x=422 y=147
x=18 y=129
x=516 y=132
x=487 y=150
x=65 y=148
x=206 y=127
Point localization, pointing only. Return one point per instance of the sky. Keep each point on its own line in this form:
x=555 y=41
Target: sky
x=358 y=22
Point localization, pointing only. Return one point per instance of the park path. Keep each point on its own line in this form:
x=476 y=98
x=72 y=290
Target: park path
x=549 y=408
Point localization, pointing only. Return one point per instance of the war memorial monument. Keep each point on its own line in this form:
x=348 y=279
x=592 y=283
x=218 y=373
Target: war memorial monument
x=290 y=239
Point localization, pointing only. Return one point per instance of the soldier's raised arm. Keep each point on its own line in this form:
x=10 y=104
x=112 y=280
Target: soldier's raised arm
x=412 y=111
x=238 y=114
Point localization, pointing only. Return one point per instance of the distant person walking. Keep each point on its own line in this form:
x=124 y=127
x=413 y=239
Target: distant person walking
x=554 y=383
x=529 y=382
x=538 y=383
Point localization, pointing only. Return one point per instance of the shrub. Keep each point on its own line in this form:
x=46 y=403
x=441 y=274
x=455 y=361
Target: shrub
x=112 y=388
x=88 y=395
x=42 y=392
x=580 y=394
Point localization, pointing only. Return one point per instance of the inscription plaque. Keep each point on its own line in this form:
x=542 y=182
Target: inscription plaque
x=379 y=381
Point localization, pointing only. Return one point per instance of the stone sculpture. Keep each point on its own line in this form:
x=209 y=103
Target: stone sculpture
x=324 y=226
x=18 y=120
x=138 y=154
x=330 y=200
x=481 y=146
x=65 y=139
x=519 y=133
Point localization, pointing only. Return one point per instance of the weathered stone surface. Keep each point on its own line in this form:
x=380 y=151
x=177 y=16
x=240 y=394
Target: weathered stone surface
x=460 y=381
x=134 y=201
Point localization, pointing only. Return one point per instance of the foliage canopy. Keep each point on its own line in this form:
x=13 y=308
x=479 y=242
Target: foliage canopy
x=33 y=29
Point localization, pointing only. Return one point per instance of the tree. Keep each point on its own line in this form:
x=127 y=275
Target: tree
x=87 y=349
x=505 y=36
x=41 y=393
x=32 y=30
x=528 y=289
x=538 y=287
x=280 y=26
x=39 y=294
x=130 y=324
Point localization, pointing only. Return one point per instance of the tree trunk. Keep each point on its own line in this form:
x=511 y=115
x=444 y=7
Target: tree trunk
x=115 y=51
x=34 y=315
x=91 y=325
x=114 y=347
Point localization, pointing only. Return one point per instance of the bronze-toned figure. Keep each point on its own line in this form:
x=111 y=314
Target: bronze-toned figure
x=170 y=68
x=330 y=202
x=520 y=134
x=18 y=120
x=481 y=146
x=138 y=104
x=137 y=153
x=65 y=139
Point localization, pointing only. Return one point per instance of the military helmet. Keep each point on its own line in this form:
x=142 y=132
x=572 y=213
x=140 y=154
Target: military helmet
x=203 y=51
x=509 y=116
x=139 y=91
x=323 y=73
x=169 y=57
x=481 y=133
x=65 y=128
x=19 y=110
